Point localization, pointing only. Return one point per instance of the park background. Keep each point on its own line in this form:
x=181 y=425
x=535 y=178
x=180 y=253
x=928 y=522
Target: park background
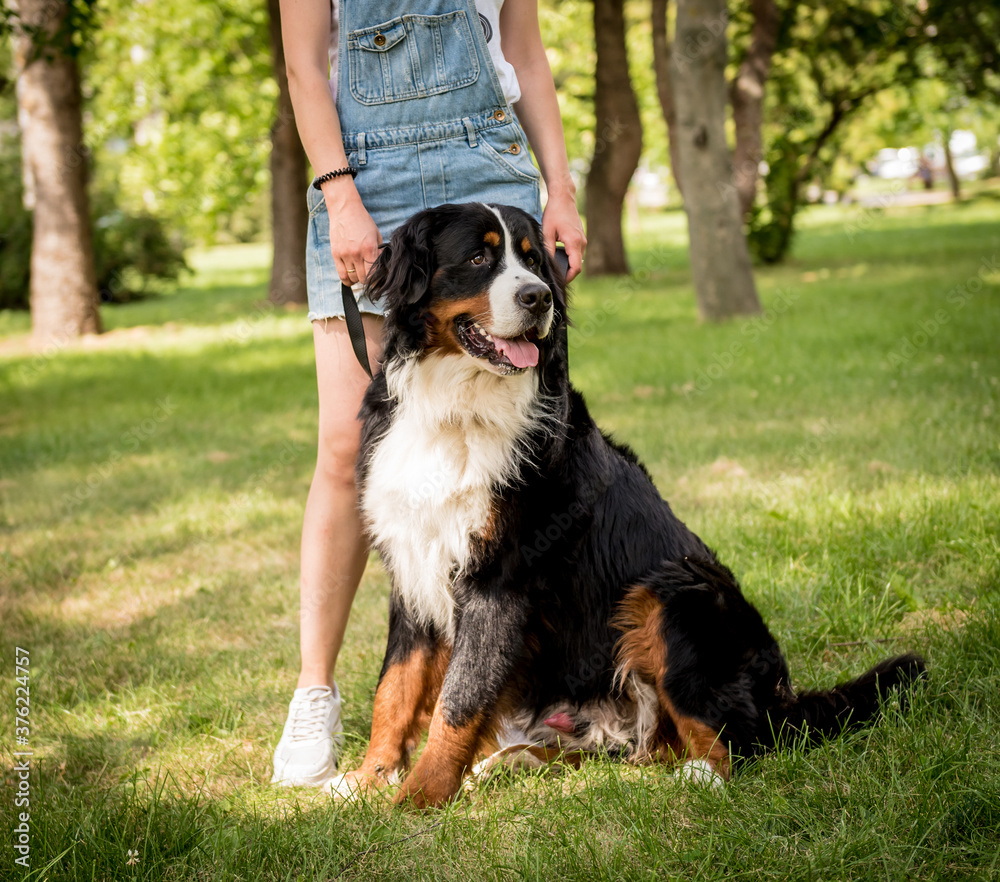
x=816 y=390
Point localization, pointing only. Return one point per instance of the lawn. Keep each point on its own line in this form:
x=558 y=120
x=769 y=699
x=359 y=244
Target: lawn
x=841 y=452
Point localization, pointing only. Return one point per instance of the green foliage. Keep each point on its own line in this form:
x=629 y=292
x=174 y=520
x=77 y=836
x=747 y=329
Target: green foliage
x=187 y=88
x=966 y=38
x=918 y=114
x=831 y=59
x=8 y=99
x=771 y=225
x=74 y=32
x=15 y=230
x=180 y=98
x=568 y=29
x=132 y=251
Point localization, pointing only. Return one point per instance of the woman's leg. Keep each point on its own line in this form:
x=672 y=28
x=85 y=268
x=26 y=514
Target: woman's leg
x=334 y=552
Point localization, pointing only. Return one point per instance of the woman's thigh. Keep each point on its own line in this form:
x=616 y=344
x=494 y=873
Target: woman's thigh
x=341 y=382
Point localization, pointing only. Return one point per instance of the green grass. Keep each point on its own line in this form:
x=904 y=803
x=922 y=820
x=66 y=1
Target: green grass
x=841 y=454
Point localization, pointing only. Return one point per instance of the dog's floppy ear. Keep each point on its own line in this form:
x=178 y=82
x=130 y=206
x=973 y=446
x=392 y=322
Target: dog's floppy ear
x=402 y=274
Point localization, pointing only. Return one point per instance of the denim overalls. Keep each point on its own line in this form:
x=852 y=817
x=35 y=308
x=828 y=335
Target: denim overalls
x=424 y=121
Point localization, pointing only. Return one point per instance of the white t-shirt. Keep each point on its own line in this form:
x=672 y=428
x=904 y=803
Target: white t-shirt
x=489 y=18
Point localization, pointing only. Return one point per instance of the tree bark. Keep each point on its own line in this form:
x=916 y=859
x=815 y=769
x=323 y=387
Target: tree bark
x=720 y=261
x=664 y=87
x=617 y=146
x=747 y=96
x=63 y=289
x=289 y=215
x=949 y=162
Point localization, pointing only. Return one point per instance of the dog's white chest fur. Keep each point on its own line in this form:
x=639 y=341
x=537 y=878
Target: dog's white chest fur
x=456 y=437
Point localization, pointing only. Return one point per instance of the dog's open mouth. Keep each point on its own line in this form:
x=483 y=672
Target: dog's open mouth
x=508 y=356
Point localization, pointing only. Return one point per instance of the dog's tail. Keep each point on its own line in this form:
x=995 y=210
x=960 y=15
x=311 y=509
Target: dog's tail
x=814 y=715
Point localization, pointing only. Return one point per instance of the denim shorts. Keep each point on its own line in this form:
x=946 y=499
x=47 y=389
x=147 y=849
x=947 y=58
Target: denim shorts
x=399 y=179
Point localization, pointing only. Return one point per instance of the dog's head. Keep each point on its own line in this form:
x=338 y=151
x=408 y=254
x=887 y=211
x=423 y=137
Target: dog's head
x=474 y=281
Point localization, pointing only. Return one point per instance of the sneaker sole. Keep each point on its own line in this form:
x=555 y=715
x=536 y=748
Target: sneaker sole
x=314 y=779
x=307 y=781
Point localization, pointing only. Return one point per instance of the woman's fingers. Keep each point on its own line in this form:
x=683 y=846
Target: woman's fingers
x=354 y=241
x=561 y=223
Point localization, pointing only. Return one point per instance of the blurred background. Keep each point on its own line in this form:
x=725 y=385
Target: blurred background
x=131 y=132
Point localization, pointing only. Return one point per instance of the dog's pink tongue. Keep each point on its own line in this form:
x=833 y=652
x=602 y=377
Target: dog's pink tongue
x=562 y=722
x=520 y=353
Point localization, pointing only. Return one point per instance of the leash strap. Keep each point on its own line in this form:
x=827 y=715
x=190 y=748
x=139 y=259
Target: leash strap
x=356 y=330
x=562 y=261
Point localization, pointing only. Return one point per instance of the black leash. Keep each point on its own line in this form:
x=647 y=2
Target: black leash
x=352 y=315
x=356 y=330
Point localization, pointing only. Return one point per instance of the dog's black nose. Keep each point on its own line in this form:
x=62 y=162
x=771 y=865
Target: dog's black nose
x=536 y=298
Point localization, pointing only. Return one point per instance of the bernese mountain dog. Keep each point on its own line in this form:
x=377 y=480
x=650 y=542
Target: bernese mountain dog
x=545 y=599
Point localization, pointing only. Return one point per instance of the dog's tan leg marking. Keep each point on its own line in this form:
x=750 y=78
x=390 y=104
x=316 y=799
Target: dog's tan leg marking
x=404 y=704
x=437 y=776
x=642 y=650
x=697 y=742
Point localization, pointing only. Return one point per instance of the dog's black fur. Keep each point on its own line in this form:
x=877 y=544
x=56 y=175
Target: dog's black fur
x=585 y=576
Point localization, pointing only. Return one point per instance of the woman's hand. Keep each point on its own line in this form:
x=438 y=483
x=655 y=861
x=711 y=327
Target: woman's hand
x=354 y=237
x=561 y=223
x=538 y=113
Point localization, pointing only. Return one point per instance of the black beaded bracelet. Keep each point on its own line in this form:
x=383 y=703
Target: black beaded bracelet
x=329 y=176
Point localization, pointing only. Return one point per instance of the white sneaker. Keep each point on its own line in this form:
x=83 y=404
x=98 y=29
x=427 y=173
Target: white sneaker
x=306 y=755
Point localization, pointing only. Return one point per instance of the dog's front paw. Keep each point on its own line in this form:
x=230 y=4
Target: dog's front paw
x=352 y=785
x=702 y=773
x=423 y=792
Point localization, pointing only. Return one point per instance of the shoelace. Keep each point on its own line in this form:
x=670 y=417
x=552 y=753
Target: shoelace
x=309 y=714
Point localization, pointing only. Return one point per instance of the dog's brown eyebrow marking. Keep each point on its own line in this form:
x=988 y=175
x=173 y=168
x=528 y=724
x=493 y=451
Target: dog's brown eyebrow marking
x=525 y=245
x=492 y=238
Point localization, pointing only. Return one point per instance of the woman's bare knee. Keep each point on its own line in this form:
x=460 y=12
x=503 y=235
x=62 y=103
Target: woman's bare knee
x=336 y=459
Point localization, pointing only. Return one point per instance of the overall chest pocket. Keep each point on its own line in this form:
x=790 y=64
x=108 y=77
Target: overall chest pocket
x=412 y=56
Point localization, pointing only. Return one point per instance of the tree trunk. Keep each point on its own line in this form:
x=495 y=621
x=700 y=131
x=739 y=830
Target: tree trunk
x=747 y=96
x=664 y=88
x=617 y=146
x=63 y=288
x=949 y=162
x=289 y=215
x=720 y=261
